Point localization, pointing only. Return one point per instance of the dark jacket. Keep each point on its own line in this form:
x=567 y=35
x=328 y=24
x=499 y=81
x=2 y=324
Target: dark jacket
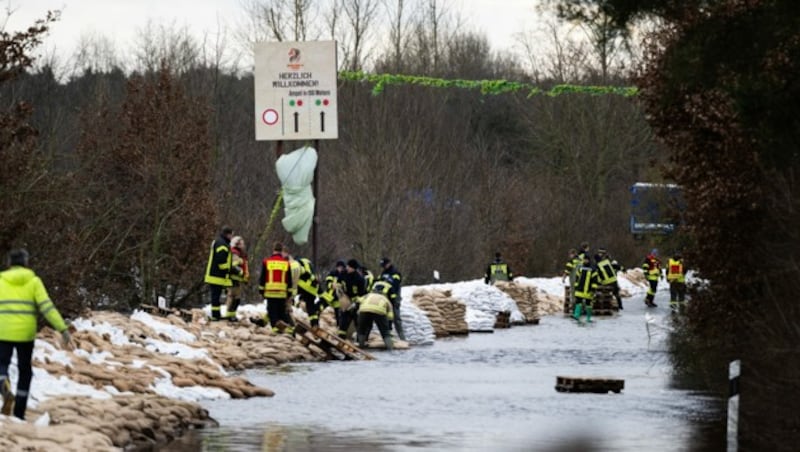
x=218 y=269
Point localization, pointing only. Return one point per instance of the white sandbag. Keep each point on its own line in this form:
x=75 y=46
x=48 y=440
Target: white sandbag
x=296 y=173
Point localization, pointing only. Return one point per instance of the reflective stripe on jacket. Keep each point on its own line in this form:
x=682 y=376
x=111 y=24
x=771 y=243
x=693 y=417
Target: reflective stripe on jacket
x=606 y=272
x=22 y=298
x=675 y=271
x=376 y=303
x=586 y=283
x=307 y=282
x=276 y=279
x=219 y=263
x=652 y=268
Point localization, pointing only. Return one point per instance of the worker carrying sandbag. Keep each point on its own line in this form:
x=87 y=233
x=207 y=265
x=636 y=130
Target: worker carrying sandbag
x=376 y=307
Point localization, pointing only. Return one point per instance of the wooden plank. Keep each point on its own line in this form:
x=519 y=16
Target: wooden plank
x=346 y=348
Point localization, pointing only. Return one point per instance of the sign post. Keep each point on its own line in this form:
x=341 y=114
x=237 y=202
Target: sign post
x=295 y=91
x=296 y=99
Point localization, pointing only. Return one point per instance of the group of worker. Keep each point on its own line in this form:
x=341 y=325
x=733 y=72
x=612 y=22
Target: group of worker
x=586 y=275
x=357 y=297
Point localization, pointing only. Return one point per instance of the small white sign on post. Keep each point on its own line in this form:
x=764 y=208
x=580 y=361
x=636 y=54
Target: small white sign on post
x=295 y=91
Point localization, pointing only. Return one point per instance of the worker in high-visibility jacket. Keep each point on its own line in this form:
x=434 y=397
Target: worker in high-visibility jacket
x=497 y=270
x=22 y=298
x=218 y=270
x=586 y=283
x=570 y=271
x=329 y=295
x=607 y=273
x=375 y=307
x=307 y=289
x=353 y=288
x=676 y=278
x=275 y=283
x=652 y=271
x=239 y=278
x=391 y=274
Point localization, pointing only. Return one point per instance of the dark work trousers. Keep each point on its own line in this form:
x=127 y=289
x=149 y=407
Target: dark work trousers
x=346 y=318
x=398 y=322
x=615 y=291
x=677 y=291
x=216 y=295
x=24 y=355
x=276 y=310
x=312 y=307
x=365 y=320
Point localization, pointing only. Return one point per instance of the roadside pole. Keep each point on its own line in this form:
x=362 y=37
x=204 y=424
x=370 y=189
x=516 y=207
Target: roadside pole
x=734 y=370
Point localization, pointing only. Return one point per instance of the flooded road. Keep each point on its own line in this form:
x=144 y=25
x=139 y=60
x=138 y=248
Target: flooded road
x=482 y=392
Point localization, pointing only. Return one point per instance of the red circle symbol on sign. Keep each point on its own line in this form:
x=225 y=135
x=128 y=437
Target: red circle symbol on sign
x=269 y=116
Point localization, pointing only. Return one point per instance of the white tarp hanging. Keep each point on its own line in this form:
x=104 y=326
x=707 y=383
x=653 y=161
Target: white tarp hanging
x=296 y=173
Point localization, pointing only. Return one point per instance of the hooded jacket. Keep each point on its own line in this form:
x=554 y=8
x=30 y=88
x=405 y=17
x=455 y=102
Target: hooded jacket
x=22 y=298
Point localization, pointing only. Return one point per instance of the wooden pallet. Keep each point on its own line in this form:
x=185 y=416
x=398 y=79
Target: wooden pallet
x=503 y=320
x=333 y=346
x=185 y=314
x=589 y=384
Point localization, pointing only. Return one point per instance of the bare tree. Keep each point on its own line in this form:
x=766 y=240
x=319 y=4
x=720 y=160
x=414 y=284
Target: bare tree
x=553 y=55
x=359 y=16
x=159 y=43
x=278 y=20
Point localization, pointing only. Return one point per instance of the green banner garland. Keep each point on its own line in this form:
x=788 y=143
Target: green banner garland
x=486 y=86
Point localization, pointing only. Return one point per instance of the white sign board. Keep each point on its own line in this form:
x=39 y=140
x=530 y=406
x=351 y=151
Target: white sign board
x=295 y=90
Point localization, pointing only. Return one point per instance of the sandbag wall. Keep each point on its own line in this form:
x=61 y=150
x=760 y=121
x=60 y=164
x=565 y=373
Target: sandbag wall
x=446 y=314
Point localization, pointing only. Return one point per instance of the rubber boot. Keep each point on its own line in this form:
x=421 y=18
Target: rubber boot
x=576 y=314
x=588 y=314
x=619 y=303
x=231 y=311
x=8 y=396
x=20 y=403
x=387 y=340
x=362 y=341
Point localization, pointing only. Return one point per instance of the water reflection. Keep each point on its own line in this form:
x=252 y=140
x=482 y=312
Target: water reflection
x=477 y=393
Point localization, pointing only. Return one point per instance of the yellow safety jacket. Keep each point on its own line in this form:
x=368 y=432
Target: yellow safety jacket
x=606 y=272
x=219 y=264
x=586 y=283
x=675 y=272
x=307 y=281
x=652 y=268
x=376 y=303
x=22 y=298
x=295 y=268
x=276 y=277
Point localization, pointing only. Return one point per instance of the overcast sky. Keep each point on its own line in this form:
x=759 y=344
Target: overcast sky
x=120 y=20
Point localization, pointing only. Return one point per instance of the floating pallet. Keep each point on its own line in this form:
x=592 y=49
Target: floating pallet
x=185 y=314
x=333 y=346
x=589 y=384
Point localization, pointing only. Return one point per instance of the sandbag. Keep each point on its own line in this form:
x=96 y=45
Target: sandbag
x=296 y=173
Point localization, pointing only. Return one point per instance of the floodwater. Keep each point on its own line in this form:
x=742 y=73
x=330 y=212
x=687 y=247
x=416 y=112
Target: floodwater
x=482 y=392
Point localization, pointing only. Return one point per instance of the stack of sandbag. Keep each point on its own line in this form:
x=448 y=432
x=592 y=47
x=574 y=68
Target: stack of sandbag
x=417 y=327
x=548 y=304
x=135 y=421
x=525 y=297
x=480 y=321
x=488 y=299
x=446 y=314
